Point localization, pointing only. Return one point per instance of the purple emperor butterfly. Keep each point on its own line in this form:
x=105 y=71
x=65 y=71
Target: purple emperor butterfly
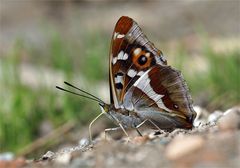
x=143 y=88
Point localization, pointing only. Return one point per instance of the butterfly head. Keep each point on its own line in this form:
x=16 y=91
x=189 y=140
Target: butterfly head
x=104 y=107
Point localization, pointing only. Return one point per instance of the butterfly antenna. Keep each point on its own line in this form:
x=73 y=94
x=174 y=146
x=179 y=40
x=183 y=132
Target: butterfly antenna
x=91 y=98
x=99 y=100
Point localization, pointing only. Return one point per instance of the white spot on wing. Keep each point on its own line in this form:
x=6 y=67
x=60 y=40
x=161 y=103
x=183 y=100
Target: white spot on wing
x=141 y=78
x=115 y=35
x=137 y=51
x=114 y=60
x=140 y=73
x=131 y=73
x=125 y=56
x=119 y=79
x=147 y=54
x=120 y=35
x=122 y=56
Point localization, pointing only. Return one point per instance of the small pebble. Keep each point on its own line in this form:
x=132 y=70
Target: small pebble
x=140 y=139
x=84 y=142
x=7 y=156
x=214 y=117
x=230 y=119
x=48 y=155
x=152 y=136
x=63 y=158
x=183 y=145
x=202 y=115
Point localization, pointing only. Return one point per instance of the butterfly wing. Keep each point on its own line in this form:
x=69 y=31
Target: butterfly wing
x=141 y=81
x=162 y=96
x=131 y=55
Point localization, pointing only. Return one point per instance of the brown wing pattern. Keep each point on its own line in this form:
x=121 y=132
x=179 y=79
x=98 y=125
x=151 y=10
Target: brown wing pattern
x=162 y=94
x=131 y=55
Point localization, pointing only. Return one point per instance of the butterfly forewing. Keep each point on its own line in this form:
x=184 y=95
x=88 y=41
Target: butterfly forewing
x=131 y=55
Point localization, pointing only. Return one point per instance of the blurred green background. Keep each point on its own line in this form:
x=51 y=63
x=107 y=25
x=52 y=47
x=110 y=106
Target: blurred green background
x=45 y=43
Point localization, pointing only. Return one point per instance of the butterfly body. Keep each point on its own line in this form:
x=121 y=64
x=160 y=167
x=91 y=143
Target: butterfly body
x=143 y=88
x=129 y=119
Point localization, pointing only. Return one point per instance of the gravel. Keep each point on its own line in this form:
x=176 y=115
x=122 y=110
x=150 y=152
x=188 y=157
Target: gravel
x=211 y=144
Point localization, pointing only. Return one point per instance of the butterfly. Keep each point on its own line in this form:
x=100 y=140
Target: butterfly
x=143 y=88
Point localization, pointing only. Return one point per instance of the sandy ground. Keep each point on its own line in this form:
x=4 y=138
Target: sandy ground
x=214 y=142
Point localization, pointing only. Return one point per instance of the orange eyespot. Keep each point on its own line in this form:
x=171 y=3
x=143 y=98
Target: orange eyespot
x=141 y=59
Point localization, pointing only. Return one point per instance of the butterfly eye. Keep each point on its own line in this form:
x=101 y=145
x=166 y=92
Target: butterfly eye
x=142 y=60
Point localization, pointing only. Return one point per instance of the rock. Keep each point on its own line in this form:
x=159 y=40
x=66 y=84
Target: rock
x=140 y=139
x=183 y=145
x=214 y=117
x=7 y=156
x=230 y=119
x=202 y=115
x=84 y=142
x=48 y=155
x=63 y=158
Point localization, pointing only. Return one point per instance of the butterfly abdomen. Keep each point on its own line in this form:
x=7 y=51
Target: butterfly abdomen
x=127 y=118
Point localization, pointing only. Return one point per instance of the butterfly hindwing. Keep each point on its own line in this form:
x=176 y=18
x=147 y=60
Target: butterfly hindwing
x=160 y=94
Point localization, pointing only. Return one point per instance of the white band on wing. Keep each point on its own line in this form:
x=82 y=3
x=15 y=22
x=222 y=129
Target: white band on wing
x=143 y=83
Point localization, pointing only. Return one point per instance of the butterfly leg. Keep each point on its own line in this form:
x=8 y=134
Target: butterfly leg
x=116 y=129
x=110 y=129
x=139 y=125
x=154 y=125
x=90 y=127
x=125 y=132
x=139 y=133
x=120 y=125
